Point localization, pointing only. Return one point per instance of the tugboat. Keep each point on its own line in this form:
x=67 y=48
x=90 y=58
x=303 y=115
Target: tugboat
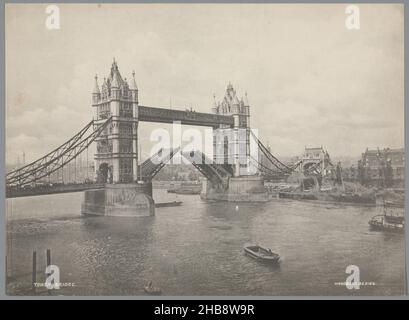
x=392 y=219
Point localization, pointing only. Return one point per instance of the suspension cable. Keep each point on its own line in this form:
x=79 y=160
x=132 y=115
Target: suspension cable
x=277 y=163
x=70 y=150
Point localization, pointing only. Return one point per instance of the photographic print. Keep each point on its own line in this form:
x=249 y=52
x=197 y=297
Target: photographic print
x=204 y=149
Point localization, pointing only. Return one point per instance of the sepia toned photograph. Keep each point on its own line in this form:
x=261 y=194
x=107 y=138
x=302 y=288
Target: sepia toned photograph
x=204 y=149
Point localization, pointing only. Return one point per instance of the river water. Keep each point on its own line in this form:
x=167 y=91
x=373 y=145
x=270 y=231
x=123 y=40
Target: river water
x=197 y=248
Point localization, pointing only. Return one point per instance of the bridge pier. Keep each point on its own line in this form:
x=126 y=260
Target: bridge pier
x=125 y=200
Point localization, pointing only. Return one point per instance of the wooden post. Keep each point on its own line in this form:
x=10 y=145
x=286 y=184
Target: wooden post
x=34 y=275
x=48 y=254
x=7 y=268
x=48 y=257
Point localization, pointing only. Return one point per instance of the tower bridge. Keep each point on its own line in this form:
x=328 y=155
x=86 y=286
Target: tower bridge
x=232 y=174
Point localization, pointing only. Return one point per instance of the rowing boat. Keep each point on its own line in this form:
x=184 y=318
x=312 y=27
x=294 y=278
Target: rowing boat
x=262 y=254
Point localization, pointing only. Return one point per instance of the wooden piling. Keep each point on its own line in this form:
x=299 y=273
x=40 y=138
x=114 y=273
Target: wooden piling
x=48 y=263
x=48 y=257
x=34 y=275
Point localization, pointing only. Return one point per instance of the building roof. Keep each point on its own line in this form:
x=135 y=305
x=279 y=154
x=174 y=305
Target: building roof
x=96 y=87
x=115 y=81
x=235 y=100
x=230 y=99
x=133 y=85
x=115 y=78
x=378 y=151
x=246 y=100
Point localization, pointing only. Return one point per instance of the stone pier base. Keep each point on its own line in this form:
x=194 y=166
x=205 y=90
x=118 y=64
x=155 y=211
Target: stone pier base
x=239 y=189
x=125 y=200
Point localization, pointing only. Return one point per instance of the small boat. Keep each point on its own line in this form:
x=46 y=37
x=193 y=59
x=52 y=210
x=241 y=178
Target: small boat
x=150 y=289
x=262 y=254
x=382 y=222
x=392 y=219
x=186 y=188
x=168 y=204
x=186 y=191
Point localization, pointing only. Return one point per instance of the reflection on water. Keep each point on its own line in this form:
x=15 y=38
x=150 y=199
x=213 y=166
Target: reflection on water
x=197 y=248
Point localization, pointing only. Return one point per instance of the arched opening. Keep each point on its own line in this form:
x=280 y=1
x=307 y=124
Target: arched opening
x=309 y=183
x=313 y=175
x=308 y=165
x=104 y=174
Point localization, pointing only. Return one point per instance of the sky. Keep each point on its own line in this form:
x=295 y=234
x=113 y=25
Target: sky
x=310 y=81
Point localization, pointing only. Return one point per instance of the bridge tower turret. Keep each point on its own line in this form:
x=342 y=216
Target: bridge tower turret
x=133 y=88
x=96 y=94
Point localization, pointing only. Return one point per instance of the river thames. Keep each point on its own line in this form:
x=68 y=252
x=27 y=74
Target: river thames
x=197 y=248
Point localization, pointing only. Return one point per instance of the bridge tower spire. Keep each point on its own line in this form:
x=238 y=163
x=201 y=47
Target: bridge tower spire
x=96 y=93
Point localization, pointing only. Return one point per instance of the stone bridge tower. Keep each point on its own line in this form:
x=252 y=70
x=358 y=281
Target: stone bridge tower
x=232 y=145
x=116 y=157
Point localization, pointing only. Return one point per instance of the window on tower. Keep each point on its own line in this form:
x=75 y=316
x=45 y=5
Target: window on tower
x=125 y=110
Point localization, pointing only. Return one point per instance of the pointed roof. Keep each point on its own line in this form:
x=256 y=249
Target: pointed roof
x=126 y=85
x=133 y=85
x=96 y=87
x=115 y=78
x=246 y=100
x=235 y=100
x=115 y=81
x=104 y=84
x=215 y=104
